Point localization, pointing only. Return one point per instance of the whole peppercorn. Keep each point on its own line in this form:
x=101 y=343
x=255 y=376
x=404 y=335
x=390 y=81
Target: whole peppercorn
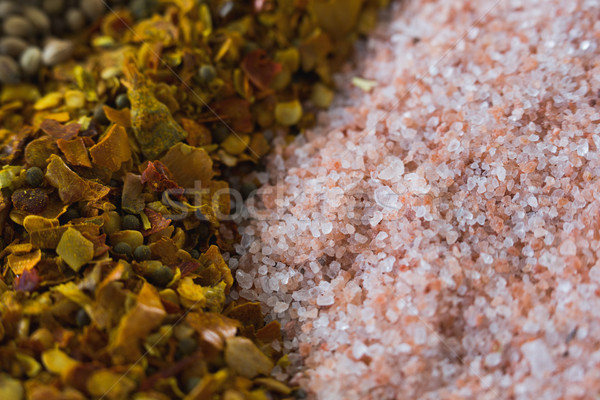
x=34 y=176
x=82 y=318
x=130 y=223
x=142 y=253
x=159 y=274
x=122 y=248
x=207 y=73
x=122 y=101
x=194 y=253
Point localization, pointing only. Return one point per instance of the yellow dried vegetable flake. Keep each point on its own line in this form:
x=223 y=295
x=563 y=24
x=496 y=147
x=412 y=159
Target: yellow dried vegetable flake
x=75 y=249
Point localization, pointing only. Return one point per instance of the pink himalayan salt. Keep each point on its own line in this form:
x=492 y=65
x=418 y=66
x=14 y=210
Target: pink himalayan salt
x=437 y=237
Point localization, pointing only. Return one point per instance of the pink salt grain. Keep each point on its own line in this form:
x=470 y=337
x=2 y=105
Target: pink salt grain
x=437 y=237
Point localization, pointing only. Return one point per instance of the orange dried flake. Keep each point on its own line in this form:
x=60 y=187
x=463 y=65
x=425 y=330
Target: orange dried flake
x=75 y=152
x=71 y=187
x=20 y=263
x=113 y=149
x=137 y=323
x=198 y=135
x=119 y=117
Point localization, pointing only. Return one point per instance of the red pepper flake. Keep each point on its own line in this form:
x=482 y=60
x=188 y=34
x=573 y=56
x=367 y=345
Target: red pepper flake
x=260 y=69
x=58 y=130
x=158 y=177
x=28 y=281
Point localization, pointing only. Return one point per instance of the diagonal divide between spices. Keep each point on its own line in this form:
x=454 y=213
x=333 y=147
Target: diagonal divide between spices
x=367 y=130
x=187 y=86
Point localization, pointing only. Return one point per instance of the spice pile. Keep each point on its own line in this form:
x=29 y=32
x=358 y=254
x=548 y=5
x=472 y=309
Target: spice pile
x=447 y=248
x=114 y=203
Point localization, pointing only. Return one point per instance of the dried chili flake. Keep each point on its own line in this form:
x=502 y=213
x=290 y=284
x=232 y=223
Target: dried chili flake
x=57 y=130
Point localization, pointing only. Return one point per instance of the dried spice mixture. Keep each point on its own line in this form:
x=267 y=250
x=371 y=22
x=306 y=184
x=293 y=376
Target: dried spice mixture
x=438 y=237
x=116 y=163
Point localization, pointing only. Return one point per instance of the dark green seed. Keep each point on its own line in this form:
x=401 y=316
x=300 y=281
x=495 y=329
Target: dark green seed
x=300 y=394
x=82 y=318
x=220 y=133
x=131 y=223
x=247 y=189
x=187 y=345
x=122 y=101
x=71 y=213
x=191 y=383
x=142 y=253
x=122 y=248
x=100 y=115
x=207 y=73
x=34 y=176
x=160 y=276
x=203 y=230
x=194 y=253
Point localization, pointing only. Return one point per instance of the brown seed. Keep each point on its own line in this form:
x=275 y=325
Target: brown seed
x=92 y=8
x=15 y=25
x=75 y=19
x=12 y=46
x=31 y=60
x=57 y=51
x=30 y=200
x=8 y=8
x=9 y=70
x=38 y=19
x=53 y=6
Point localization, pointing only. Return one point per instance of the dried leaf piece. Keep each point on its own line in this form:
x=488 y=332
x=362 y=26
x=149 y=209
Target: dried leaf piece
x=71 y=187
x=32 y=201
x=75 y=152
x=260 y=69
x=113 y=149
x=119 y=117
x=189 y=165
x=153 y=125
x=23 y=262
x=212 y=328
x=137 y=323
x=57 y=130
x=243 y=357
x=75 y=249
x=132 y=200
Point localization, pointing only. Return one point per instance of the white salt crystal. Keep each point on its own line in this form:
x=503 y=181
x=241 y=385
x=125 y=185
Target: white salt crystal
x=360 y=238
x=244 y=280
x=280 y=307
x=325 y=300
x=537 y=355
x=568 y=248
x=493 y=359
